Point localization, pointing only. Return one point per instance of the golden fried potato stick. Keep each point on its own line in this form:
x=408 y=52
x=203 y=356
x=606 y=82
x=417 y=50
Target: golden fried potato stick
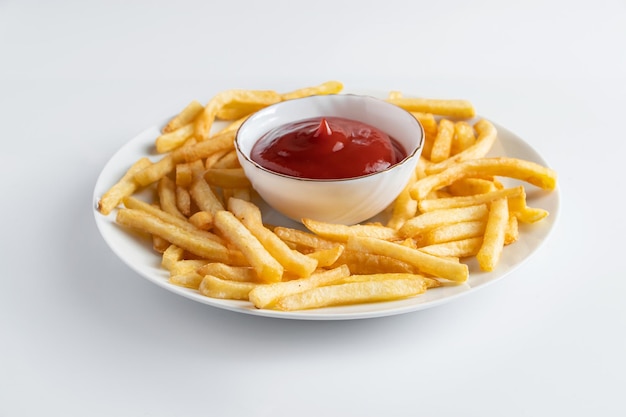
x=520 y=169
x=326 y=257
x=184 y=273
x=236 y=111
x=227 y=178
x=186 y=116
x=360 y=262
x=293 y=261
x=225 y=289
x=304 y=239
x=191 y=242
x=471 y=186
x=263 y=296
x=457 y=248
x=166 y=190
x=427 y=264
x=442 y=145
x=487 y=135
x=464 y=137
x=204 y=197
x=169 y=141
x=329 y=87
x=353 y=293
x=220 y=142
x=227 y=161
x=123 y=188
x=511 y=234
x=493 y=241
x=229 y=272
x=451 y=232
x=205 y=120
x=266 y=266
x=452 y=108
x=435 y=204
x=341 y=233
x=203 y=220
x=171 y=256
x=183 y=200
x=434 y=219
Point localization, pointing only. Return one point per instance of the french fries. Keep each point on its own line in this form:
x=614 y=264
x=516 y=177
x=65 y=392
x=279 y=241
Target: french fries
x=207 y=226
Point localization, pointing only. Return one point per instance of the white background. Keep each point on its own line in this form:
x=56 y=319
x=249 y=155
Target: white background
x=83 y=335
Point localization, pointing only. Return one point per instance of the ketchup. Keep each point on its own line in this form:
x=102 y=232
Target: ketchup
x=327 y=148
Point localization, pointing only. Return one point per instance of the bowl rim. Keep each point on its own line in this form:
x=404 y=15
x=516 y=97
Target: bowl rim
x=407 y=159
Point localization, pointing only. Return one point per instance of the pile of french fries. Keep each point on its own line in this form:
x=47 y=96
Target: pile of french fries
x=209 y=232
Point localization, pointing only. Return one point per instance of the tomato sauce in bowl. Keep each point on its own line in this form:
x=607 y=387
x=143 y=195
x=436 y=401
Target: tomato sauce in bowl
x=327 y=148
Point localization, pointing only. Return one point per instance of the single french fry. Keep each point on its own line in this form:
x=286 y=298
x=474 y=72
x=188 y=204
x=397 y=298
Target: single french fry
x=452 y=108
x=229 y=272
x=219 y=142
x=471 y=186
x=123 y=188
x=352 y=293
x=184 y=273
x=204 y=197
x=493 y=241
x=203 y=220
x=457 y=248
x=512 y=230
x=267 y=268
x=451 y=232
x=329 y=87
x=434 y=219
x=520 y=169
x=169 y=141
x=429 y=205
x=464 y=137
x=186 y=116
x=302 y=238
x=183 y=200
x=166 y=190
x=264 y=296
x=426 y=263
x=227 y=178
x=360 y=262
x=192 y=242
x=171 y=256
x=227 y=161
x=326 y=257
x=236 y=111
x=293 y=261
x=442 y=145
x=226 y=289
x=341 y=233
x=188 y=280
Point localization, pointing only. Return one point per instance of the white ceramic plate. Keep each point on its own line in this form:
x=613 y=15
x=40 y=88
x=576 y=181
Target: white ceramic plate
x=138 y=254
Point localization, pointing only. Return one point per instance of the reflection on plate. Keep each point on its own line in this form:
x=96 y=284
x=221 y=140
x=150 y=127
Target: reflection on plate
x=138 y=254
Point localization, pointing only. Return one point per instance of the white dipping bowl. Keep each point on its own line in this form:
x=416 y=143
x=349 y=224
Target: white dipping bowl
x=343 y=201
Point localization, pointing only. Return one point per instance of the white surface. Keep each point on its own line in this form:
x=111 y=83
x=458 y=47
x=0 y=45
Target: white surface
x=137 y=252
x=77 y=79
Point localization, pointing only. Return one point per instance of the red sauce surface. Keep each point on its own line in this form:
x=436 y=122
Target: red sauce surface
x=327 y=148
